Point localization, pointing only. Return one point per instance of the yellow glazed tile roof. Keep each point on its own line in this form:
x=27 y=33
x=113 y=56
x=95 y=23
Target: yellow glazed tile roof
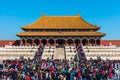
x=60 y=22
x=60 y=34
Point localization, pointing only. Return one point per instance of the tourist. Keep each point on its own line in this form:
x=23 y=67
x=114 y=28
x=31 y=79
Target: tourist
x=50 y=69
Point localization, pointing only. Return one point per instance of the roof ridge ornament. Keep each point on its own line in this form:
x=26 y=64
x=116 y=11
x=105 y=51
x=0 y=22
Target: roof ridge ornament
x=42 y=15
x=78 y=15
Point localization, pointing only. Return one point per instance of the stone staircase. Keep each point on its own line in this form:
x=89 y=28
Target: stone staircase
x=59 y=53
x=103 y=52
x=14 y=52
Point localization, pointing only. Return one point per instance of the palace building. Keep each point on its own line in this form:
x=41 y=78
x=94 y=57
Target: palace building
x=60 y=30
x=60 y=37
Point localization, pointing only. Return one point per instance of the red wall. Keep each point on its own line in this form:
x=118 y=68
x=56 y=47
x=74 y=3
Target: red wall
x=108 y=42
x=8 y=42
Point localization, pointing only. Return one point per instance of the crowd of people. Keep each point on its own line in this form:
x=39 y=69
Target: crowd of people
x=50 y=69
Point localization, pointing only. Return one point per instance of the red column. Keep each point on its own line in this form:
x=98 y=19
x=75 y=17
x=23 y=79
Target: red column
x=47 y=41
x=81 y=42
x=66 y=42
x=95 y=42
x=21 y=42
x=40 y=41
x=73 y=41
x=88 y=42
x=33 y=42
x=55 y=41
x=25 y=42
x=100 y=42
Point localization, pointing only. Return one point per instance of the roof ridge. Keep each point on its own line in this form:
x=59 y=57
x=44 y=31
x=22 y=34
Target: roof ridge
x=60 y=16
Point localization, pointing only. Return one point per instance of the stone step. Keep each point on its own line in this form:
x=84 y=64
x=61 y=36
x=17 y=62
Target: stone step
x=59 y=53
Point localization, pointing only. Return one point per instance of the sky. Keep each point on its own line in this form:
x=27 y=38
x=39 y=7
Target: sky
x=17 y=13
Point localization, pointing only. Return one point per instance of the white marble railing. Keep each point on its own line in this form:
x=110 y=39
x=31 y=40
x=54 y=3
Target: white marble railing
x=102 y=50
x=105 y=52
x=70 y=52
x=20 y=47
x=104 y=58
x=14 y=52
x=101 y=47
x=69 y=47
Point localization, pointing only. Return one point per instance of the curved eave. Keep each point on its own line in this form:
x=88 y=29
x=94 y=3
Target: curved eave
x=37 y=28
x=81 y=34
x=104 y=34
x=95 y=27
